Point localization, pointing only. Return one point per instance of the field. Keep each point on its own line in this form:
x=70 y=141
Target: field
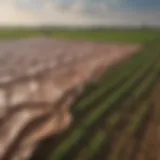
x=109 y=35
x=116 y=118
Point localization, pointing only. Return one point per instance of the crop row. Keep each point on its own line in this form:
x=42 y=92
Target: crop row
x=131 y=81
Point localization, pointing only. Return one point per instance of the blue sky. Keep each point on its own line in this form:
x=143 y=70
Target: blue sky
x=79 y=12
x=119 y=4
x=143 y=4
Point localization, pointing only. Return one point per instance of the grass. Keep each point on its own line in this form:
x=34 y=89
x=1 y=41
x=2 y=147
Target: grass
x=112 y=36
x=109 y=35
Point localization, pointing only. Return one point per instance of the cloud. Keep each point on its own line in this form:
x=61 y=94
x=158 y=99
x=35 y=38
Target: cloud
x=12 y=13
x=72 y=12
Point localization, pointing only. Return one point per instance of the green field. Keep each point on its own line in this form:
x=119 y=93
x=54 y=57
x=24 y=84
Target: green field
x=110 y=118
x=114 y=114
x=109 y=35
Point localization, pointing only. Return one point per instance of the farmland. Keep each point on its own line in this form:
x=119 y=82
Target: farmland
x=107 y=35
x=116 y=118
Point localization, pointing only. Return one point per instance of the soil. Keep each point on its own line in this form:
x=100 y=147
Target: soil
x=150 y=144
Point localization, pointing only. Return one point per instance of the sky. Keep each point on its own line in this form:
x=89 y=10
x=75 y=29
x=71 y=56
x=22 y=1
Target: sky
x=79 y=12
